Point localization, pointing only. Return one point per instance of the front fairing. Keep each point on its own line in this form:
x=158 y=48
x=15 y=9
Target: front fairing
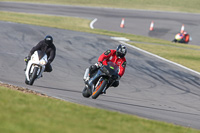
x=108 y=72
x=38 y=59
x=95 y=77
x=111 y=69
x=113 y=66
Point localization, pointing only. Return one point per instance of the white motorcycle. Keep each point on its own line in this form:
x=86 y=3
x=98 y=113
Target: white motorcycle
x=35 y=67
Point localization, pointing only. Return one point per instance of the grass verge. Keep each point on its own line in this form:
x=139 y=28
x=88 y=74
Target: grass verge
x=30 y=113
x=164 y=5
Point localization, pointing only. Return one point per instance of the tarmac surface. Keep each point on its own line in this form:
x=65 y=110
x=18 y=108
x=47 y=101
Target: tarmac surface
x=150 y=87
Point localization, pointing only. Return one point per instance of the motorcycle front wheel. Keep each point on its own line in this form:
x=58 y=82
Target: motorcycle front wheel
x=98 y=90
x=33 y=76
x=26 y=81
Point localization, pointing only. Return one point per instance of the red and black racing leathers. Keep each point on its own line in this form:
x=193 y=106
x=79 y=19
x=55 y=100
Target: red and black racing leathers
x=110 y=56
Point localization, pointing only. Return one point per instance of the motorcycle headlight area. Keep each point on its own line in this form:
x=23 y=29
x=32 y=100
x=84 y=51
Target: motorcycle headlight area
x=105 y=70
x=33 y=58
x=43 y=62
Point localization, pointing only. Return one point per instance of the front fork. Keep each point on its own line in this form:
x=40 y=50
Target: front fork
x=98 y=82
x=39 y=72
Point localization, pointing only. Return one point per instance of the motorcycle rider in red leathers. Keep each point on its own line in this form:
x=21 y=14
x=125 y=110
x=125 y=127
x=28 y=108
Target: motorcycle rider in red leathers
x=116 y=56
x=182 y=38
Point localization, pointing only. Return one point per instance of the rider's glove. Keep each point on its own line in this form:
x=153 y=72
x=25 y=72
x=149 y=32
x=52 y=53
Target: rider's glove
x=48 y=62
x=98 y=65
x=26 y=59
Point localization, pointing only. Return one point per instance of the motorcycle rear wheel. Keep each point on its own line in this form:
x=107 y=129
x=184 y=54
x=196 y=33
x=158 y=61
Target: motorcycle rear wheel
x=86 y=92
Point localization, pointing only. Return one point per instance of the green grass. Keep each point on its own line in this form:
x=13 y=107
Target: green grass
x=166 y=5
x=48 y=20
x=29 y=113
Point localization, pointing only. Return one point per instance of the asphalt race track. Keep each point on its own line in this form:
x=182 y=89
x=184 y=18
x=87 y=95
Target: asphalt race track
x=150 y=88
x=166 y=24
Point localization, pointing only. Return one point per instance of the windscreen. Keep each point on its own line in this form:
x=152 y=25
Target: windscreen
x=40 y=54
x=113 y=65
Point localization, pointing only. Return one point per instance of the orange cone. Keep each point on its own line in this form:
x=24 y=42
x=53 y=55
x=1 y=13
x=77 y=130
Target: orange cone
x=182 y=28
x=151 y=26
x=122 y=23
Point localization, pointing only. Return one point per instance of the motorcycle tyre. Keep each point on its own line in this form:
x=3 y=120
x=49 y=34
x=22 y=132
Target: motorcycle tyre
x=86 y=93
x=33 y=76
x=26 y=81
x=100 y=89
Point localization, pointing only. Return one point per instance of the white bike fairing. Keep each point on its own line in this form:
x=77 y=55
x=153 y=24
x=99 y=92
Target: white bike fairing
x=36 y=62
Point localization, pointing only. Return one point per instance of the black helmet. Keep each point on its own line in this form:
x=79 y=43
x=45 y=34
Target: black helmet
x=121 y=51
x=49 y=39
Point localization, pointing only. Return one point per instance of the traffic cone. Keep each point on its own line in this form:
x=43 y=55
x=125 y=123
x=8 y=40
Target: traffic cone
x=182 y=28
x=122 y=23
x=151 y=26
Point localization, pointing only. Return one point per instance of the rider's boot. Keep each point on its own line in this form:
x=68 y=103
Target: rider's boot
x=103 y=92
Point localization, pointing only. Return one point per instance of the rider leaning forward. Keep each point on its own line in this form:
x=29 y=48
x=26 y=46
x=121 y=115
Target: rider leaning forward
x=116 y=56
x=46 y=46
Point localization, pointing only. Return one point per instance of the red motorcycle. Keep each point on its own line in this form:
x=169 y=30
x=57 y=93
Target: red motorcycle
x=182 y=38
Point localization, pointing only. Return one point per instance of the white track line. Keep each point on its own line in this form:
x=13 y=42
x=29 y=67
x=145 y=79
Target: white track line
x=120 y=39
x=160 y=57
x=92 y=23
